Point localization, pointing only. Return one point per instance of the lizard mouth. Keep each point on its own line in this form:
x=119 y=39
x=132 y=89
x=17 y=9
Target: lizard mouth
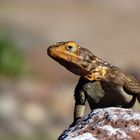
x=57 y=56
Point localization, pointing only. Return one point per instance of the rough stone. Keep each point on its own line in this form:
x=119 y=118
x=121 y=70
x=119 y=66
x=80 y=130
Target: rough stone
x=106 y=124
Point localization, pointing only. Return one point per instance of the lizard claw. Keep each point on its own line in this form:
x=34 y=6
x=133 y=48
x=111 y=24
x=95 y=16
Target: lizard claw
x=75 y=122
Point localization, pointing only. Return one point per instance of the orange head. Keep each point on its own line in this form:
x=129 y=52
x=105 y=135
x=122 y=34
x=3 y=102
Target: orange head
x=71 y=56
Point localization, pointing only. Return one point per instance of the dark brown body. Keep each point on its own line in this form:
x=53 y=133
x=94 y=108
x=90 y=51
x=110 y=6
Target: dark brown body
x=101 y=84
x=101 y=94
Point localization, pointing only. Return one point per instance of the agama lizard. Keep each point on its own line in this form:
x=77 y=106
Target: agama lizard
x=101 y=84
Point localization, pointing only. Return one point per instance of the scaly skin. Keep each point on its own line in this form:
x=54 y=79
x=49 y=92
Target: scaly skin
x=101 y=84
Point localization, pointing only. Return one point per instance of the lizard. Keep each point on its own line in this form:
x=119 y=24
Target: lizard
x=101 y=83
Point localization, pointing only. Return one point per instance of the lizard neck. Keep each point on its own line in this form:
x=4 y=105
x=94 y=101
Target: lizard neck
x=104 y=63
x=99 y=69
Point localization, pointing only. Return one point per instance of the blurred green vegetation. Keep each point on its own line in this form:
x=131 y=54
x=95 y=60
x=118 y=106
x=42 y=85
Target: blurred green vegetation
x=12 y=61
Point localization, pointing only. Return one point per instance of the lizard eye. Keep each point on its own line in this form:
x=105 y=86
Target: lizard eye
x=71 y=48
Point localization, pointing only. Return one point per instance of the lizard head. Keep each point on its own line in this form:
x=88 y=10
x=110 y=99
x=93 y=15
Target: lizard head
x=68 y=51
x=71 y=56
x=76 y=59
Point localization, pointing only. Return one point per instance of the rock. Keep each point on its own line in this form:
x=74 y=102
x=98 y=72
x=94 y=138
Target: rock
x=106 y=124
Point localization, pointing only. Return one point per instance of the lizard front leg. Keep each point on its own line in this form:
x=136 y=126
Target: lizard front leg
x=79 y=108
x=80 y=99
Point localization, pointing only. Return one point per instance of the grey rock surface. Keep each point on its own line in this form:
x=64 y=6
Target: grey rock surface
x=106 y=124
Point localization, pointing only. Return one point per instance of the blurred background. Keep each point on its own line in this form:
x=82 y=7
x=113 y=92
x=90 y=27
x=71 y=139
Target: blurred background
x=36 y=93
